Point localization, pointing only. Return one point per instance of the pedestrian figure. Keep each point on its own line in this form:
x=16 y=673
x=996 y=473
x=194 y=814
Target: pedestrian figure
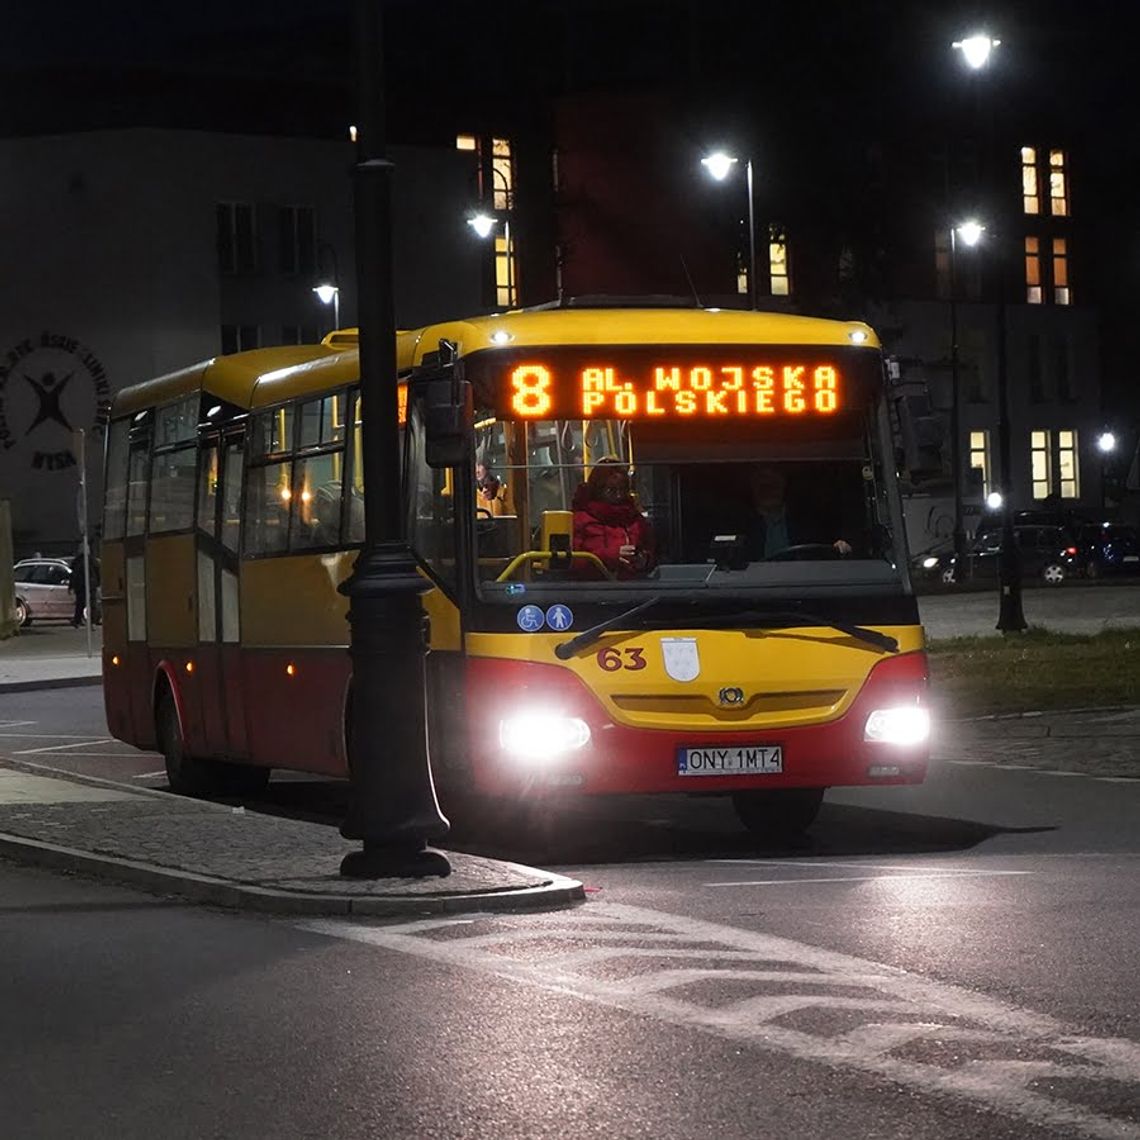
x=79 y=586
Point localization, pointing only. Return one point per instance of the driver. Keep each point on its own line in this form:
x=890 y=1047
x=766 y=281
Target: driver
x=768 y=530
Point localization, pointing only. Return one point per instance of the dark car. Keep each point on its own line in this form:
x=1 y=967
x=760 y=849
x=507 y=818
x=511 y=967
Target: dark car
x=935 y=564
x=1107 y=549
x=1046 y=552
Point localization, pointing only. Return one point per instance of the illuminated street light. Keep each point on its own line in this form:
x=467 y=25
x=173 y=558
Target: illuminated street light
x=482 y=224
x=329 y=295
x=994 y=500
x=1106 y=442
x=970 y=232
x=719 y=165
x=976 y=50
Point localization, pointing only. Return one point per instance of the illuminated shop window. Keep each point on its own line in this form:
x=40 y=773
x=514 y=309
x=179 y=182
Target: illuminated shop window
x=1068 y=465
x=1058 y=191
x=1061 y=294
x=1033 y=270
x=980 y=458
x=1030 y=186
x=741 y=276
x=1040 y=461
x=778 y=261
x=502 y=174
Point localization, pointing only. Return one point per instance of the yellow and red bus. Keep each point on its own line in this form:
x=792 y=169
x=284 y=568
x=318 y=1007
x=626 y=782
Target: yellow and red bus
x=765 y=644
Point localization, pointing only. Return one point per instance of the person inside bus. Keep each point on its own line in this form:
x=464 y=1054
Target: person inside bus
x=490 y=491
x=609 y=524
x=771 y=527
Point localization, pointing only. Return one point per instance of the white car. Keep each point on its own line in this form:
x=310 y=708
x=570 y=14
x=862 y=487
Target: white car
x=41 y=590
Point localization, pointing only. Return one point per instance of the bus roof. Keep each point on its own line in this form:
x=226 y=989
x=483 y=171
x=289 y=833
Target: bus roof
x=264 y=376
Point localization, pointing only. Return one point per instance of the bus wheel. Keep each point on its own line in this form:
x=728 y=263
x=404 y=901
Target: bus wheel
x=778 y=814
x=187 y=776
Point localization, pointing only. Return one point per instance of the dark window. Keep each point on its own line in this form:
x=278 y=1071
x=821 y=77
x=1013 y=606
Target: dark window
x=1065 y=391
x=240 y=338
x=237 y=238
x=298 y=240
x=1033 y=365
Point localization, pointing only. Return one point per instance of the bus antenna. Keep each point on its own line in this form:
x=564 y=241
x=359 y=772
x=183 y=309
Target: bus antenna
x=692 y=287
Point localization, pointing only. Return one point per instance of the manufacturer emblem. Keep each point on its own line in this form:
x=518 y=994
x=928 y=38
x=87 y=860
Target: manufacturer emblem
x=731 y=695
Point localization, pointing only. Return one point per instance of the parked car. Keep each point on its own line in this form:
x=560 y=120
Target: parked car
x=1107 y=548
x=935 y=564
x=1048 y=552
x=41 y=590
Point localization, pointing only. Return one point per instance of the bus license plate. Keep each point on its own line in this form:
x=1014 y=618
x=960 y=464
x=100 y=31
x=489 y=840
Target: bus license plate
x=748 y=759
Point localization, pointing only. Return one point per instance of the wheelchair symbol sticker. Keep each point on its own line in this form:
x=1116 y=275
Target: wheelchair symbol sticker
x=559 y=617
x=530 y=619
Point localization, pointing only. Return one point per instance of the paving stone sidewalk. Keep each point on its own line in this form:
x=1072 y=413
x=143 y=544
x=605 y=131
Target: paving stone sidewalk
x=1096 y=742
x=233 y=857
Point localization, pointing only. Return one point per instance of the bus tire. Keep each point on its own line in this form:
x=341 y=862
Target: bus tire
x=778 y=814
x=186 y=775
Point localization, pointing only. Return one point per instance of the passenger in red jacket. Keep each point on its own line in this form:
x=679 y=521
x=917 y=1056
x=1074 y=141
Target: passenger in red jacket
x=608 y=524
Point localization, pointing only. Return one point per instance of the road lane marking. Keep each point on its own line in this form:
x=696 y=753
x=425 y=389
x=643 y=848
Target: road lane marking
x=60 y=747
x=148 y=775
x=45 y=736
x=15 y=724
x=847 y=864
x=861 y=878
x=899 y=1009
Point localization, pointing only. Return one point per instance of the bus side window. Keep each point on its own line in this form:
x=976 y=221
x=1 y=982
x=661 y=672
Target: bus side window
x=267 y=500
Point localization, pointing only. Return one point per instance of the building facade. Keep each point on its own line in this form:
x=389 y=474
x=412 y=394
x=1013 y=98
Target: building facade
x=135 y=252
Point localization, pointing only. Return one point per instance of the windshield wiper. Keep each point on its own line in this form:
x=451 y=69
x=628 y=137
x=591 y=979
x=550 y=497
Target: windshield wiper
x=757 y=619
x=745 y=618
x=567 y=649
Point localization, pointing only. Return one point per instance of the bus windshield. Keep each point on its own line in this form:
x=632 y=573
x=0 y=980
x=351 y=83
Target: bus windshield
x=635 y=505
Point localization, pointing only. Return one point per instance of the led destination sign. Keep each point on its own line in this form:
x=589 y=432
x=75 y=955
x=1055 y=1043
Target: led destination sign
x=689 y=383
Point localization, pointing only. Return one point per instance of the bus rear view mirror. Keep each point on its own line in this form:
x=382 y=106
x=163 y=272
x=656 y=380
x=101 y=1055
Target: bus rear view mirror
x=447 y=407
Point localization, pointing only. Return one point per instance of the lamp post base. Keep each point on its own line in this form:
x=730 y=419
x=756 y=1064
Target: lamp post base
x=394 y=861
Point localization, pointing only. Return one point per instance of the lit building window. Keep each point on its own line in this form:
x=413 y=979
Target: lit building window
x=980 y=458
x=1030 y=188
x=1033 y=270
x=741 y=276
x=502 y=174
x=505 y=270
x=1041 y=465
x=1058 y=193
x=1061 y=295
x=467 y=142
x=778 y=261
x=1068 y=465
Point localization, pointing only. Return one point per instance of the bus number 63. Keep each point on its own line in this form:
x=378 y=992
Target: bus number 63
x=610 y=659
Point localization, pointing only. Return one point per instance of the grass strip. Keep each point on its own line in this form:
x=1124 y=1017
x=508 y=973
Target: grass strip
x=1037 y=670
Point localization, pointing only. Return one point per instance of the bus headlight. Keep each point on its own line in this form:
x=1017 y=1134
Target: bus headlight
x=909 y=724
x=542 y=736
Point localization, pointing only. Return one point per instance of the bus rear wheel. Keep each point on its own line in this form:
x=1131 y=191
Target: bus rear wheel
x=779 y=814
x=186 y=775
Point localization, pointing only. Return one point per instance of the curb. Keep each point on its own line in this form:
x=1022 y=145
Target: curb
x=559 y=891
x=50 y=683
x=1041 y=713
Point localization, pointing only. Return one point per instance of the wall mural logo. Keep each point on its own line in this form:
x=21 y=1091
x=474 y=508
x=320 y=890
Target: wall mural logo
x=50 y=387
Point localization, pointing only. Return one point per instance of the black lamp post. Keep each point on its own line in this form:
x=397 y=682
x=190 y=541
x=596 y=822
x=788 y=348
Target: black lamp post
x=970 y=232
x=719 y=165
x=392 y=808
x=977 y=51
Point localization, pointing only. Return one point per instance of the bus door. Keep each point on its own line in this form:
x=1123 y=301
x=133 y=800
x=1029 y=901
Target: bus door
x=221 y=456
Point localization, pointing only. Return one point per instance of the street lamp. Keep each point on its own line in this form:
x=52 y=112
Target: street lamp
x=719 y=165
x=970 y=233
x=978 y=50
x=1106 y=445
x=329 y=294
x=392 y=805
x=484 y=225
x=327 y=289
